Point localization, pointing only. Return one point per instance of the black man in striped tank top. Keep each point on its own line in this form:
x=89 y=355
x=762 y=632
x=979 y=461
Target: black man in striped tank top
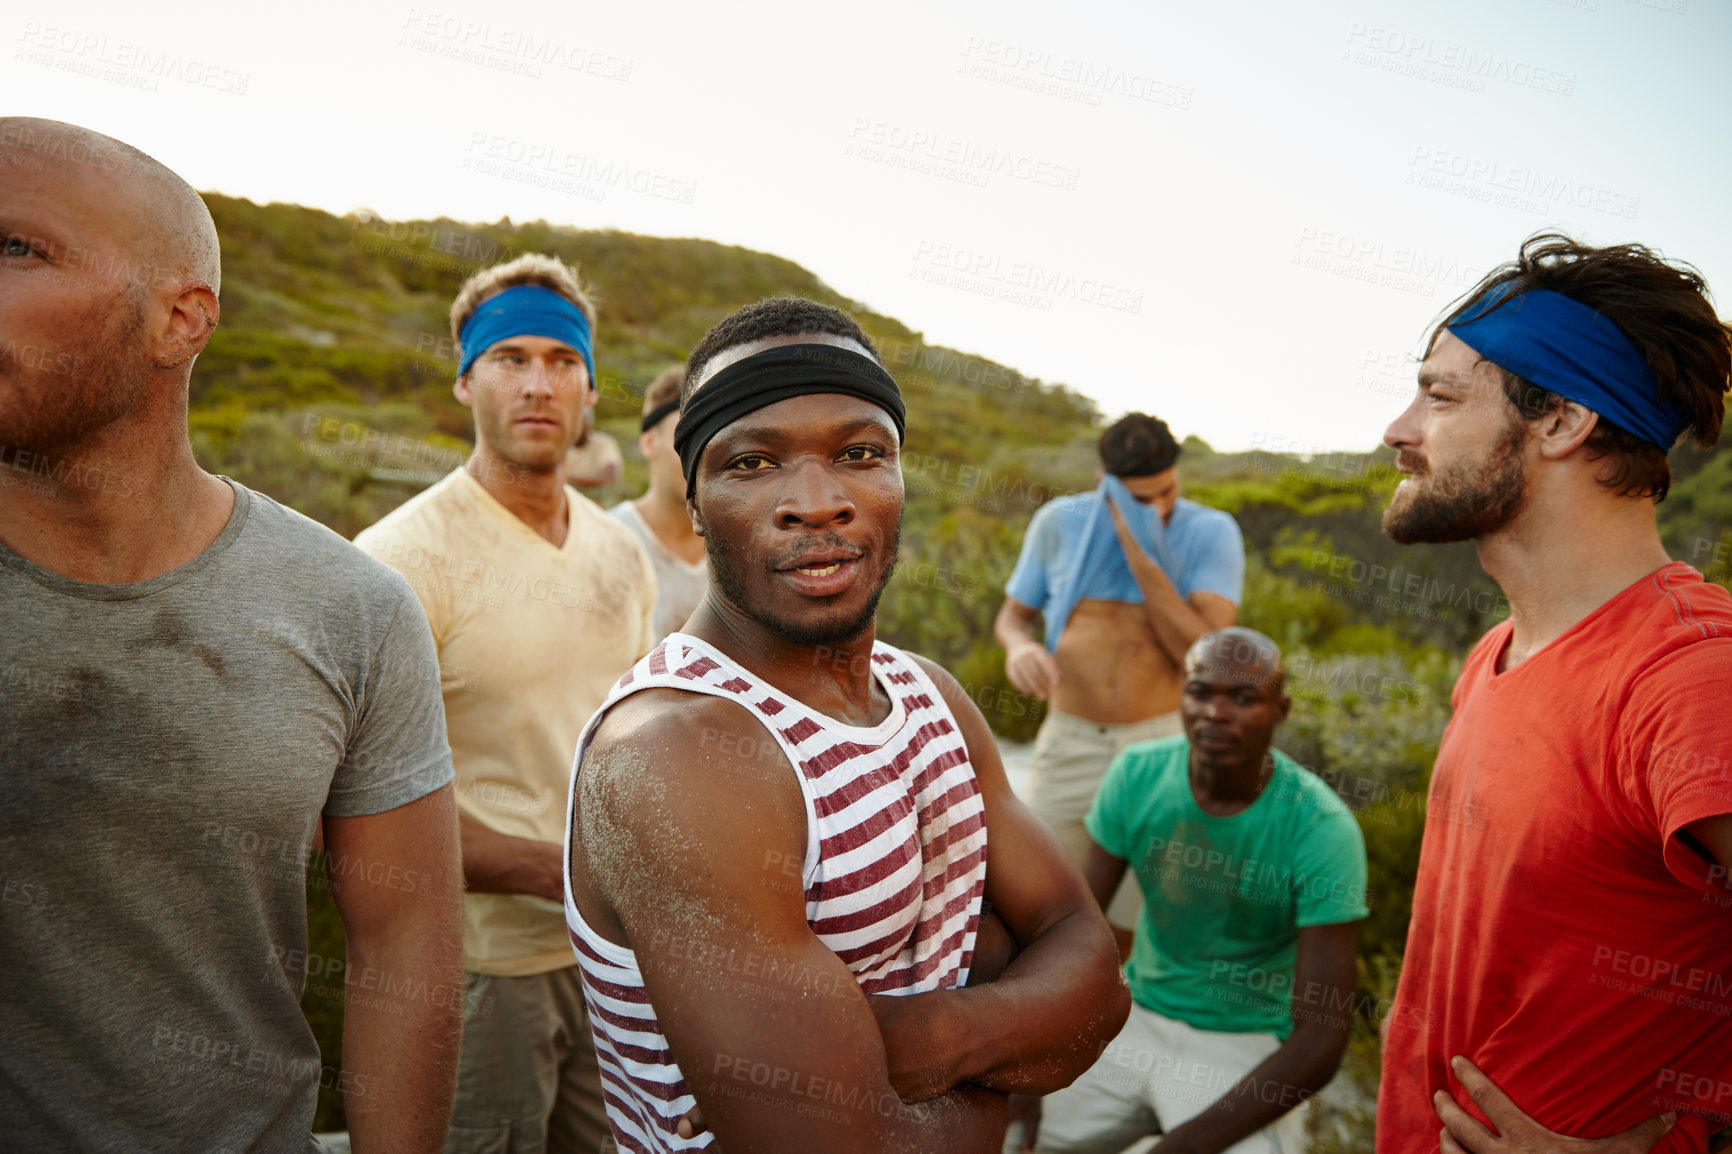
x=808 y=910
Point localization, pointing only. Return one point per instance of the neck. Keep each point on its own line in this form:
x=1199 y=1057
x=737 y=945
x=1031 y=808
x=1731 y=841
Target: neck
x=835 y=680
x=534 y=496
x=1567 y=553
x=1226 y=787
x=124 y=504
x=664 y=511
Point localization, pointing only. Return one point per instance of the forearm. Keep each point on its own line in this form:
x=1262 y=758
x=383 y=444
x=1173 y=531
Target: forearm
x=401 y=1027
x=1034 y=1030
x=498 y=863
x=1012 y=629
x=1176 y=623
x=1302 y=1066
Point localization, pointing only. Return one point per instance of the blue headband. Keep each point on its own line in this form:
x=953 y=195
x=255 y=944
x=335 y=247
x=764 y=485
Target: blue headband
x=1566 y=347
x=524 y=310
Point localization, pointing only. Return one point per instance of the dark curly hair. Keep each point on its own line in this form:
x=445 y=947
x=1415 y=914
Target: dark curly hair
x=1137 y=445
x=771 y=317
x=1664 y=310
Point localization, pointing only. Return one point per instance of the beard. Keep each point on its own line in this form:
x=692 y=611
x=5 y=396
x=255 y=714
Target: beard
x=730 y=566
x=79 y=387
x=1463 y=501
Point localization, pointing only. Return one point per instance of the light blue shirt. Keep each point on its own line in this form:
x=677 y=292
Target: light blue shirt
x=1072 y=551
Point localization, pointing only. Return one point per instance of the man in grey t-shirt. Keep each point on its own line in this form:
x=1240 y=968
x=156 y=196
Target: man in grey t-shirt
x=192 y=679
x=659 y=517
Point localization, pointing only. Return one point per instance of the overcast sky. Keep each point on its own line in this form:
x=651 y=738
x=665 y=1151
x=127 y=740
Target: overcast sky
x=1239 y=217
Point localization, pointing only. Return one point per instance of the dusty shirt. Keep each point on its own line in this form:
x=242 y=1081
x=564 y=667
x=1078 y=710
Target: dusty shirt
x=166 y=749
x=531 y=636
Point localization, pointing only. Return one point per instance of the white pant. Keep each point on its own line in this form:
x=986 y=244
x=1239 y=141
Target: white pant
x=1071 y=756
x=1155 y=1075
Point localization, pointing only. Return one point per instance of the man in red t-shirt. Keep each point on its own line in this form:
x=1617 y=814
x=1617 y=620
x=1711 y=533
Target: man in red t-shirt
x=1572 y=922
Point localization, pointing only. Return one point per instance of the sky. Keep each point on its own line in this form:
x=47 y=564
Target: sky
x=1239 y=217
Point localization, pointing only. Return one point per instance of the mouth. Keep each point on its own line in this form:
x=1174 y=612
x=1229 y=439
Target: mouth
x=821 y=574
x=537 y=419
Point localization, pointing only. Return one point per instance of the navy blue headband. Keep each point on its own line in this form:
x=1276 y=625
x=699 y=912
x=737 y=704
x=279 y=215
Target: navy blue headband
x=525 y=310
x=1566 y=347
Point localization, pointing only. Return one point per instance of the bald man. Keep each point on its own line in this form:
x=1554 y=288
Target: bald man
x=1242 y=972
x=194 y=681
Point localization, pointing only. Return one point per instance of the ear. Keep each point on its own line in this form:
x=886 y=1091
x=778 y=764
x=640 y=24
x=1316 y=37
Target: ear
x=696 y=517
x=192 y=318
x=1563 y=430
x=644 y=441
x=1283 y=706
x=462 y=391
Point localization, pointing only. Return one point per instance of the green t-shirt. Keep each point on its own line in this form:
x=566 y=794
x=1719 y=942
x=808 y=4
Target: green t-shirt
x=1225 y=897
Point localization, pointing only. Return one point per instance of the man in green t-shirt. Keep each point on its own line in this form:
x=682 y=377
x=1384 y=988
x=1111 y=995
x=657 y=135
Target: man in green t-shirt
x=1242 y=968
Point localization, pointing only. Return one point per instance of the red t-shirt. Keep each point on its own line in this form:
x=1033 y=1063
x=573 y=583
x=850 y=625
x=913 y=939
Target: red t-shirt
x=1563 y=940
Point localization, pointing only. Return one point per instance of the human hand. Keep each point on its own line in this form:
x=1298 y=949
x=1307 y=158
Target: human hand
x=1520 y=1134
x=1134 y=554
x=994 y=949
x=1031 y=669
x=692 y=1123
x=921 y=1042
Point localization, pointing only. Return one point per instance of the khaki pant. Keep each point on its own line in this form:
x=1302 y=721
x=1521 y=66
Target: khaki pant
x=527 y=1081
x=1157 y=1074
x=1071 y=756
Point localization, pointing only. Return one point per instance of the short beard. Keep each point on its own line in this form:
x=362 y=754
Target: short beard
x=1463 y=502
x=109 y=369
x=731 y=583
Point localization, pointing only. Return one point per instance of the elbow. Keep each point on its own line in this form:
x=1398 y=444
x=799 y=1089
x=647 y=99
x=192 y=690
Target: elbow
x=1109 y=1009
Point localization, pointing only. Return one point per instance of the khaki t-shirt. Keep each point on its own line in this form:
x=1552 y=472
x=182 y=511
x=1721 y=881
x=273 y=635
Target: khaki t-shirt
x=531 y=637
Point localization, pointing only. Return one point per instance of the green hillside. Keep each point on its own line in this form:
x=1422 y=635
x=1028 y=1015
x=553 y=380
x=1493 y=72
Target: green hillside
x=328 y=387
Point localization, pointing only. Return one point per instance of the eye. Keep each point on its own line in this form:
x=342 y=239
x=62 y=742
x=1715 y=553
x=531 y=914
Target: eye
x=750 y=463
x=861 y=453
x=20 y=246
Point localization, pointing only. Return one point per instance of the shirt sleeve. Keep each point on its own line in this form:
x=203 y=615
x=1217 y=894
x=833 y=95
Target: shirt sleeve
x=419 y=567
x=1675 y=766
x=1031 y=581
x=397 y=750
x=1329 y=875
x=1108 y=820
x=1217 y=563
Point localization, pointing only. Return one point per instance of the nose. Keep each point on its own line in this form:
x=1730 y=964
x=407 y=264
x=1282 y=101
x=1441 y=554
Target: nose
x=1403 y=432
x=538 y=381
x=812 y=495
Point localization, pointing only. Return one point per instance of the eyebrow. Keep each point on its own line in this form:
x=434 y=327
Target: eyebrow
x=1430 y=377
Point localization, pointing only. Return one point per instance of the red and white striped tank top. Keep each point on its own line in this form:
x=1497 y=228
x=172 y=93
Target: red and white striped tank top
x=894 y=872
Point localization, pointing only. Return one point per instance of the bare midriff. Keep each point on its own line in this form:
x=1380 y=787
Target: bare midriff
x=1112 y=671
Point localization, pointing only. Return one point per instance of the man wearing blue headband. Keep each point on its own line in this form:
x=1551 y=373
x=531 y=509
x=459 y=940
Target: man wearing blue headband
x=1566 y=965
x=538 y=601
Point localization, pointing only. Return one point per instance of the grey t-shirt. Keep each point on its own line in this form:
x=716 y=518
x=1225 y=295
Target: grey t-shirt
x=167 y=748
x=680 y=584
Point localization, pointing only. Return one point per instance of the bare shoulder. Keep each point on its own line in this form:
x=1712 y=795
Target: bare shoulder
x=678 y=769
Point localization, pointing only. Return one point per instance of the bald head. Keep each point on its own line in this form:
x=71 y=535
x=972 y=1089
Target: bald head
x=1236 y=653
x=142 y=209
x=109 y=271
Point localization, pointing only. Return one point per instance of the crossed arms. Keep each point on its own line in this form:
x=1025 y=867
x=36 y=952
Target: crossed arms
x=680 y=840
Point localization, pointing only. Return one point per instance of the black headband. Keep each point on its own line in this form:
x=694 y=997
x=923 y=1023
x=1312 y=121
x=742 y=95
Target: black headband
x=654 y=417
x=775 y=375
